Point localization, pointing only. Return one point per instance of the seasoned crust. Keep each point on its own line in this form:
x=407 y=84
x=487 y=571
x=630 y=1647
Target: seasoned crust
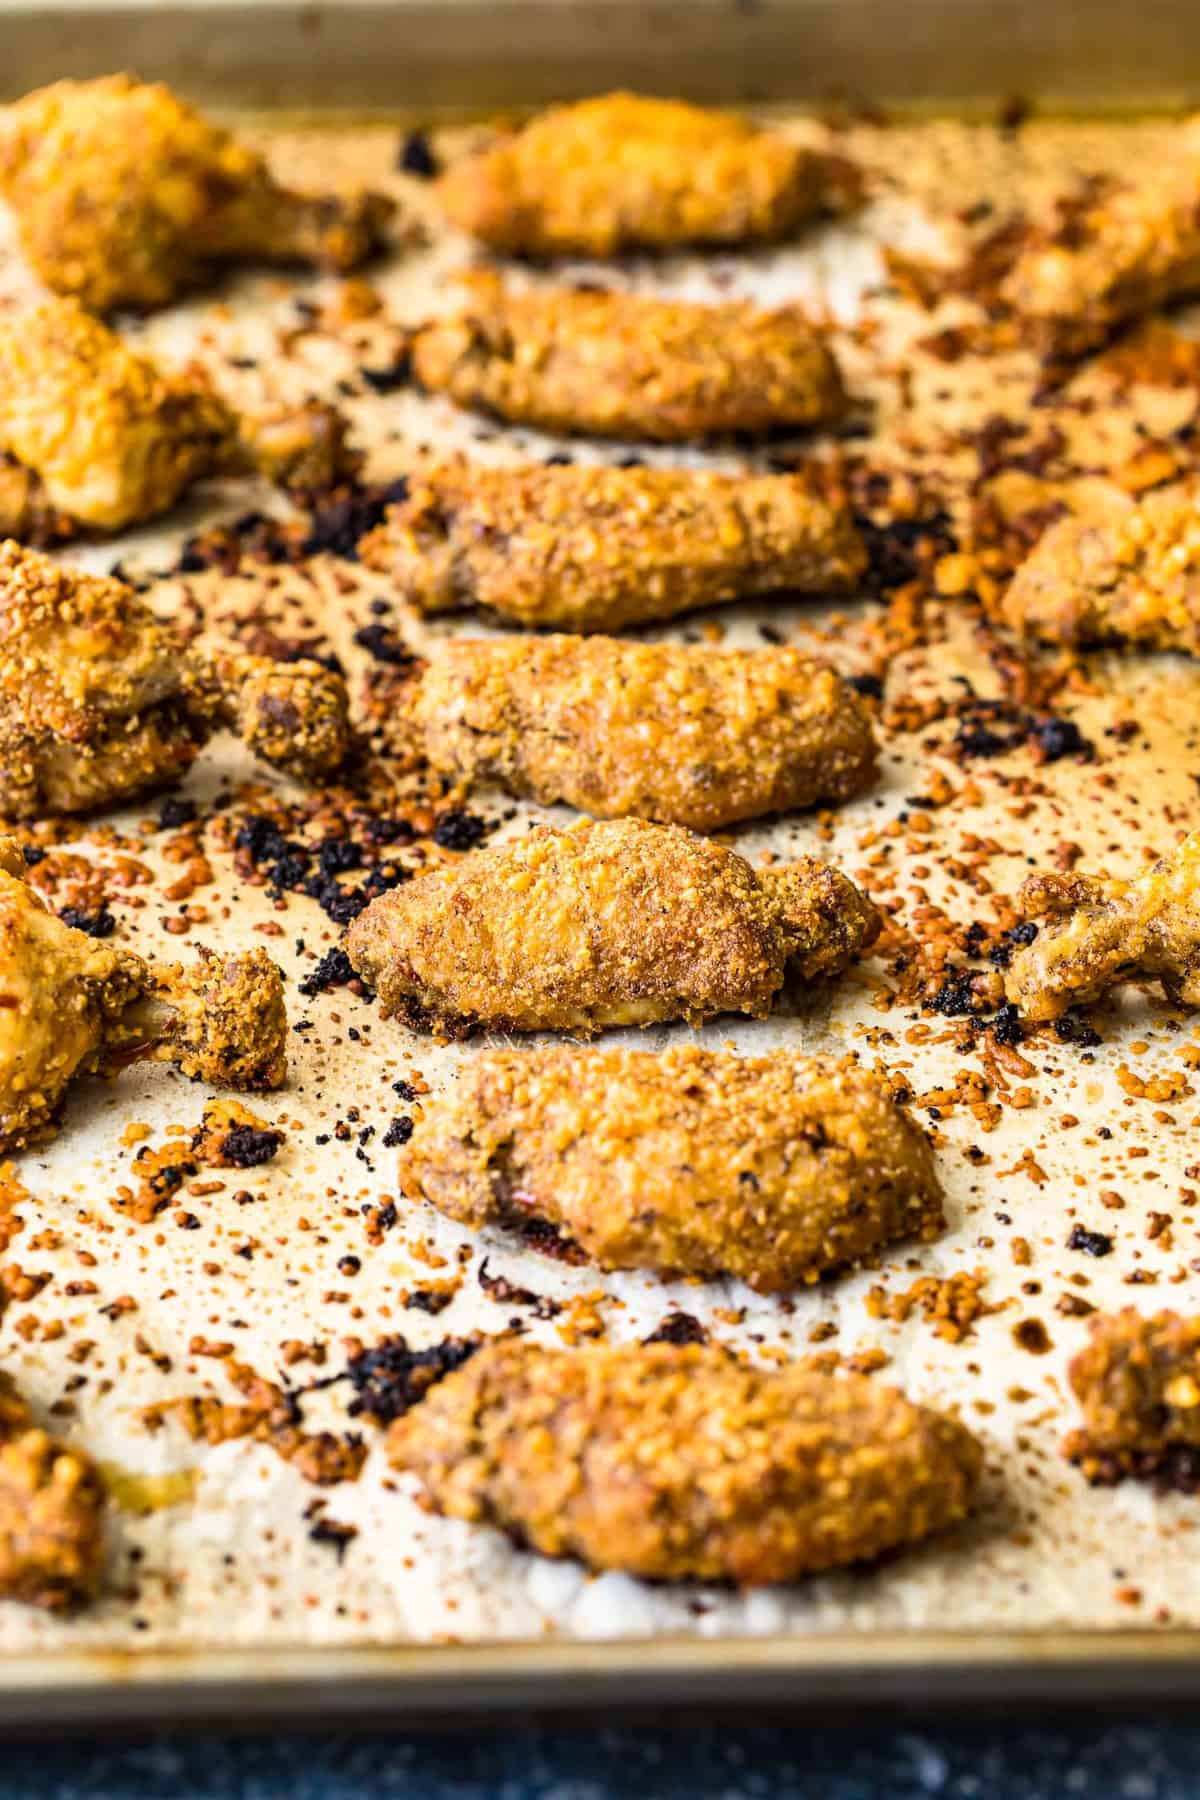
x=230 y=1022
x=774 y=1169
x=51 y=1513
x=1129 y=575
x=682 y=1463
x=1104 y=931
x=624 y=171
x=1137 y=1381
x=597 y=549
x=126 y=196
x=610 y=923
x=627 y=365
x=680 y=733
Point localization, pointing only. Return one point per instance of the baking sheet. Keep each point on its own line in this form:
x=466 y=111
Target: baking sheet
x=234 y=1565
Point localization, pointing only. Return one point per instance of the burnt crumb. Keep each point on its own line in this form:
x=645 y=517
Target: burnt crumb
x=33 y=854
x=900 y=549
x=333 y=1533
x=1001 y=954
x=398 y=1132
x=1092 y=1243
x=381 y=643
x=334 y=970
x=1056 y=738
x=386 y=380
x=98 y=924
x=1173 y=1469
x=338 y=856
x=250 y=1146
x=678 y=1328
x=959 y=995
x=341 y=523
x=981 y=740
x=1006 y=1026
x=428 y=1300
x=459 y=831
x=404 y=1089
x=288 y=866
x=503 y=1291
x=869 y=685
x=392 y=1377
x=415 y=156
x=176 y=812
x=1071 y=1029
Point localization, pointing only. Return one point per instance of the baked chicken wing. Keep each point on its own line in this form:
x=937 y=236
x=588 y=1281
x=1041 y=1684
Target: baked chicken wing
x=126 y=196
x=51 y=1513
x=1102 y=932
x=627 y=365
x=72 y=1005
x=774 y=1169
x=616 y=923
x=1130 y=574
x=624 y=172
x=99 y=701
x=1137 y=1381
x=682 y=1463
x=677 y=732
x=597 y=549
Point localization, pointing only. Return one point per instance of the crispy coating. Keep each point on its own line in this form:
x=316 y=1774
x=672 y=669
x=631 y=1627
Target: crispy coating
x=597 y=549
x=126 y=196
x=628 y=365
x=99 y=701
x=71 y=1005
x=51 y=1513
x=624 y=172
x=774 y=1169
x=682 y=1463
x=677 y=732
x=1137 y=1381
x=303 y=449
x=1129 y=575
x=1133 y=250
x=610 y=923
x=1106 y=931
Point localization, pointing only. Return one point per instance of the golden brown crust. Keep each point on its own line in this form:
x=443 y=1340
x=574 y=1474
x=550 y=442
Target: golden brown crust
x=624 y=171
x=1129 y=575
x=111 y=438
x=597 y=549
x=680 y=733
x=294 y=715
x=1105 y=931
x=774 y=1169
x=51 y=1513
x=610 y=923
x=126 y=196
x=683 y=1463
x=1137 y=1381
x=626 y=365
x=230 y=1022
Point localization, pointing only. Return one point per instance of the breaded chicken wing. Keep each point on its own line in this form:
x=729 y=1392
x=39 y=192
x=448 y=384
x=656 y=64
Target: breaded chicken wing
x=1105 y=931
x=111 y=440
x=1137 y=1380
x=71 y=1005
x=628 y=365
x=677 y=732
x=622 y=923
x=99 y=701
x=1129 y=575
x=625 y=172
x=682 y=1463
x=51 y=1513
x=774 y=1169
x=1135 y=249
x=126 y=196
x=597 y=549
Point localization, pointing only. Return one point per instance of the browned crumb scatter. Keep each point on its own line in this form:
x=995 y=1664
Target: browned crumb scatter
x=771 y=1168
x=51 y=1513
x=267 y=1414
x=1137 y=1381
x=628 y=365
x=682 y=1463
x=952 y=1303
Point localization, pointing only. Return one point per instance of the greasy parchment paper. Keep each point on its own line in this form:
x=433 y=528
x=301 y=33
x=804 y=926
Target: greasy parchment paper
x=231 y=1561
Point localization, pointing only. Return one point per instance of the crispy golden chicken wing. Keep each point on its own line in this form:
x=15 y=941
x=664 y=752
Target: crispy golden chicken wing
x=628 y=365
x=620 y=923
x=597 y=549
x=99 y=701
x=1130 y=574
x=71 y=1005
x=51 y=1513
x=110 y=440
x=624 y=172
x=682 y=1463
x=774 y=1169
x=1137 y=1381
x=677 y=732
x=1103 y=932
x=126 y=196
x=1133 y=250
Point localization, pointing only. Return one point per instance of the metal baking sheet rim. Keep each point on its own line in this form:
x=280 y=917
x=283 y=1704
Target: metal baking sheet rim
x=430 y=1683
